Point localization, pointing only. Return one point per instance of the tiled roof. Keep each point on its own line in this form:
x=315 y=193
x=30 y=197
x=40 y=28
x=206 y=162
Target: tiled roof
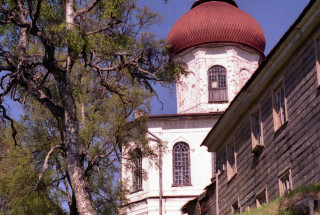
x=214 y=22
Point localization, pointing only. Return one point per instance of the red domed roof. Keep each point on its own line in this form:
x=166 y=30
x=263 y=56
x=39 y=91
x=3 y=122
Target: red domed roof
x=213 y=22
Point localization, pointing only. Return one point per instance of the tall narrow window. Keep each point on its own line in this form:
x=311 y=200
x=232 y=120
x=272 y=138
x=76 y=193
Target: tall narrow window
x=235 y=207
x=279 y=106
x=256 y=131
x=137 y=170
x=214 y=163
x=231 y=160
x=317 y=49
x=181 y=164
x=217 y=78
x=262 y=198
x=285 y=182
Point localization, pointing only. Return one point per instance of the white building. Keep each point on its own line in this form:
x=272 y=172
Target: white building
x=222 y=46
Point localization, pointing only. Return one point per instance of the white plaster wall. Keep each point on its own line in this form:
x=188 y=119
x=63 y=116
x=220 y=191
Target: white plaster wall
x=192 y=97
x=191 y=132
x=192 y=90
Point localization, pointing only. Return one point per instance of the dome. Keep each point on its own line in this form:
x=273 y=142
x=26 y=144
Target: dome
x=216 y=22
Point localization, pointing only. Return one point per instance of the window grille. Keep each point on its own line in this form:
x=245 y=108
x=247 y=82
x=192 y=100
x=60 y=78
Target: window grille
x=181 y=164
x=137 y=170
x=217 y=83
x=214 y=163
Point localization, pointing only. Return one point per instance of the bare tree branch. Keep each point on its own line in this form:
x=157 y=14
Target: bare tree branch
x=86 y=9
x=45 y=164
x=14 y=131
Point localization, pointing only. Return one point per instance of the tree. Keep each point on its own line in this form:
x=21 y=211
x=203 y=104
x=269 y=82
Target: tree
x=18 y=174
x=84 y=66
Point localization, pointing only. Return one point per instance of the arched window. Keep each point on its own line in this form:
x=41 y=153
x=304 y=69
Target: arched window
x=181 y=164
x=137 y=170
x=217 y=83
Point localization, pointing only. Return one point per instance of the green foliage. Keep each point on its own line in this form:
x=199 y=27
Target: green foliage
x=284 y=204
x=110 y=63
x=17 y=179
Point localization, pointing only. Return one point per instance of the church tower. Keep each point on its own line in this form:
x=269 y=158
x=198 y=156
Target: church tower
x=222 y=47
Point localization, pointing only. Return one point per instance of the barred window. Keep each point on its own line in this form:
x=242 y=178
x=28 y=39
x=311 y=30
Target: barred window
x=181 y=164
x=214 y=163
x=217 y=83
x=137 y=170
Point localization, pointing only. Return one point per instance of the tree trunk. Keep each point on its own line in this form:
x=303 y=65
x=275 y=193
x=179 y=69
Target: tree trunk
x=75 y=168
x=70 y=125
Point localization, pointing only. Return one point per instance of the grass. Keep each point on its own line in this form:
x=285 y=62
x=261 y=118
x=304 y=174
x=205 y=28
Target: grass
x=282 y=205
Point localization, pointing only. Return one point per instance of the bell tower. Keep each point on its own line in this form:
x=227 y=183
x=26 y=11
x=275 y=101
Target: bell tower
x=222 y=46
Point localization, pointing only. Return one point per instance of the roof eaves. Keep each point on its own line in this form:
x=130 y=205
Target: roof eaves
x=243 y=91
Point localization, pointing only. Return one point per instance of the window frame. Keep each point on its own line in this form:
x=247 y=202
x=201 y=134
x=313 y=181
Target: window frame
x=221 y=163
x=231 y=154
x=278 y=117
x=257 y=146
x=235 y=207
x=264 y=194
x=317 y=53
x=174 y=184
x=217 y=89
x=214 y=164
x=137 y=180
x=282 y=178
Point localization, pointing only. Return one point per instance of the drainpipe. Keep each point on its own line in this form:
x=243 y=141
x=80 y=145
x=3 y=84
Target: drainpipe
x=160 y=171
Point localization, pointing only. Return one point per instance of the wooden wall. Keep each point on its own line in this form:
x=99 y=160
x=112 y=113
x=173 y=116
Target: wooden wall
x=295 y=145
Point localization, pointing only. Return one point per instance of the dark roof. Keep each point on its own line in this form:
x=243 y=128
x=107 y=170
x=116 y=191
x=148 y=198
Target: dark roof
x=198 y=2
x=216 y=22
x=187 y=115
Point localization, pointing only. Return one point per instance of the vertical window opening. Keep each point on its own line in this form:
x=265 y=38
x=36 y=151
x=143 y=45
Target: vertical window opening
x=317 y=50
x=235 y=208
x=279 y=106
x=214 y=163
x=261 y=198
x=285 y=183
x=256 y=131
x=217 y=83
x=231 y=160
x=181 y=164
x=137 y=170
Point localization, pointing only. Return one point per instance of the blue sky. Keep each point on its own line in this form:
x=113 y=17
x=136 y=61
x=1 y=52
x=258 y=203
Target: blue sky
x=274 y=16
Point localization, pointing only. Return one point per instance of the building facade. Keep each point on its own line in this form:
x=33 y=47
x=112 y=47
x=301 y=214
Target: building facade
x=267 y=141
x=221 y=56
